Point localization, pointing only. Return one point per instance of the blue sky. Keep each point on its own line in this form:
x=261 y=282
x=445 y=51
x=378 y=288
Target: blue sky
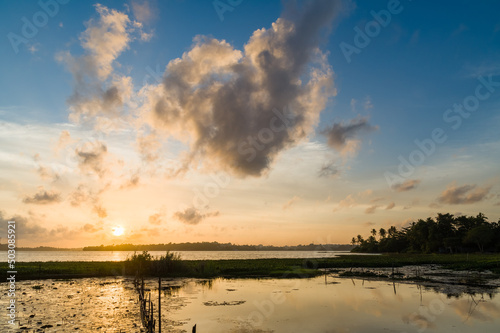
x=117 y=114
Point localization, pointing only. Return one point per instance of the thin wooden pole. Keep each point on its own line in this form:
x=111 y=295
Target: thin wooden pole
x=159 y=304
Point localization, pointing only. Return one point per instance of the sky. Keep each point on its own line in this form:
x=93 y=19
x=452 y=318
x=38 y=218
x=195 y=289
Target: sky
x=250 y=122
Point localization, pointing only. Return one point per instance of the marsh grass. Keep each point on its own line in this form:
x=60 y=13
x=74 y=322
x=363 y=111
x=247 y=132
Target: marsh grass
x=171 y=265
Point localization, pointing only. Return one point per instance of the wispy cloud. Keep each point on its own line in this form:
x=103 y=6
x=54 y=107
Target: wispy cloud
x=91 y=228
x=390 y=206
x=407 y=185
x=193 y=216
x=145 y=11
x=465 y=194
x=343 y=137
x=43 y=197
x=97 y=90
x=328 y=169
x=91 y=157
x=371 y=209
x=156 y=219
x=290 y=202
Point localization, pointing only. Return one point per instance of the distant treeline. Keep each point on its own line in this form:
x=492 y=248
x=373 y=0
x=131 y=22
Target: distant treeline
x=4 y=247
x=444 y=234
x=215 y=246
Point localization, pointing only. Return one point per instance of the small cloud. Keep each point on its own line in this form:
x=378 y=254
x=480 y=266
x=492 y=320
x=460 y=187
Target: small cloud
x=365 y=193
x=466 y=194
x=64 y=141
x=343 y=137
x=91 y=157
x=132 y=182
x=291 y=202
x=349 y=201
x=368 y=103
x=43 y=197
x=371 y=209
x=368 y=224
x=148 y=146
x=156 y=219
x=91 y=228
x=192 y=216
x=33 y=48
x=377 y=199
x=353 y=105
x=144 y=11
x=390 y=206
x=328 y=170
x=46 y=173
x=80 y=195
x=407 y=185
x=100 y=211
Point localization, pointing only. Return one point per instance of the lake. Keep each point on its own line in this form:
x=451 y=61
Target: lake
x=27 y=256
x=321 y=304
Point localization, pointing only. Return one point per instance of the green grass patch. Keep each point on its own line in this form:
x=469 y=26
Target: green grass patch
x=278 y=268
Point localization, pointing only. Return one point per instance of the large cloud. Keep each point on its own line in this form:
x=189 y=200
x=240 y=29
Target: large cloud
x=97 y=89
x=466 y=194
x=225 y=101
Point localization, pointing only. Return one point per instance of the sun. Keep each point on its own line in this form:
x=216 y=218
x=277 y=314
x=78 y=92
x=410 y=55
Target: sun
x=118 y=230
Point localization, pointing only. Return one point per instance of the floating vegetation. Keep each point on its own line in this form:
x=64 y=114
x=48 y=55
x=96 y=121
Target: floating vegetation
x=84 y=305
x=214 y=303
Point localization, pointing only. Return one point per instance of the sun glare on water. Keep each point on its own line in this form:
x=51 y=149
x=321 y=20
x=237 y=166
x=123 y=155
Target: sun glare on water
x=118 y=231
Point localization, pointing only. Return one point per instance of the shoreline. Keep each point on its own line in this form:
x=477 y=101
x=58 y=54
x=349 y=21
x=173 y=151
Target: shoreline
x=485 y=266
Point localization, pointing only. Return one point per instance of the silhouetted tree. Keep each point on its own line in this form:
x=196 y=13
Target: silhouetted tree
x=445 y=233
x=382 y=233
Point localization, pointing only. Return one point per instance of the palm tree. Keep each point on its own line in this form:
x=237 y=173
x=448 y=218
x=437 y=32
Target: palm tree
x=360 y=239
x=353 y=241
x=374 y=232
x=392 y=231
x=382 y=233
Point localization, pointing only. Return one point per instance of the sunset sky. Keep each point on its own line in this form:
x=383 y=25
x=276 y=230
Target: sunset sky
x=251 y=122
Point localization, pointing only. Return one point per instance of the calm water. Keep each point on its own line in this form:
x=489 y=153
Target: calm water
x=186 y=255
x=249 y=305
x=334 y=305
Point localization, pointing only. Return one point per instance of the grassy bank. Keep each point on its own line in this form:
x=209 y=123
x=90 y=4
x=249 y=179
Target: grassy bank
x=256 y=267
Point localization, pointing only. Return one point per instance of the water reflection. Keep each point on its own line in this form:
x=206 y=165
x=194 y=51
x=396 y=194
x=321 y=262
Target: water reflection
x=322 y=304
x=329 y=304
x=80 y=305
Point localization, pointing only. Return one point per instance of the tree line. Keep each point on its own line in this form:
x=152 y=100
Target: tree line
x=215 y=246
x=444 y=234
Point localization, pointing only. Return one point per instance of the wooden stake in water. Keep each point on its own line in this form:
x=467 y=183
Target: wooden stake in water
x=159 y=304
